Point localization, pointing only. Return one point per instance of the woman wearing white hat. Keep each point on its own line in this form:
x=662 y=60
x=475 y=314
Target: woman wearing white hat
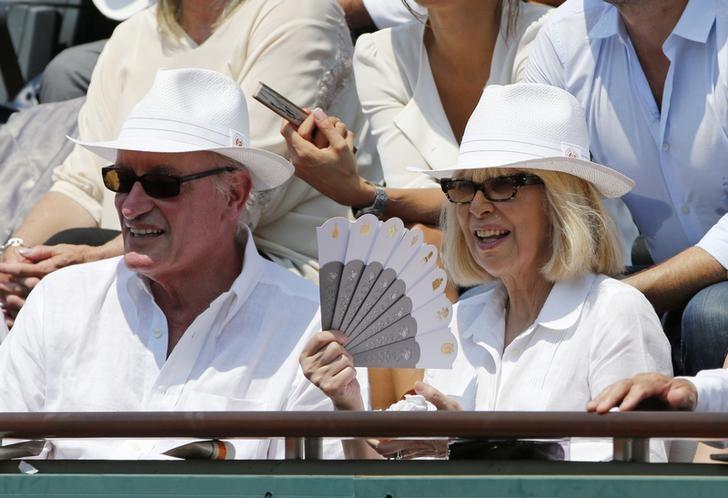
x=525 y=212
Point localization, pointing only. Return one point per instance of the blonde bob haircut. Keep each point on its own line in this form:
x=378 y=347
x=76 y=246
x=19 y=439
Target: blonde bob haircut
x=583 y=236
x=169 y=12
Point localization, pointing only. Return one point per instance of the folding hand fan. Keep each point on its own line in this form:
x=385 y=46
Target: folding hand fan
x=380 y=285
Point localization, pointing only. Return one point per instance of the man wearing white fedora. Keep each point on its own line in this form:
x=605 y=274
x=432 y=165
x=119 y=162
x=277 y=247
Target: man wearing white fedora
x=652 y=77
x=189 y=318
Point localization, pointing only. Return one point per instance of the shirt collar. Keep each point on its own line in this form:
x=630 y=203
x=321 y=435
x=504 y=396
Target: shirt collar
x=241 y=288
x=485 y=308
x=564 y=303
x=608 y=24
x=561 y=310
x=696 y=21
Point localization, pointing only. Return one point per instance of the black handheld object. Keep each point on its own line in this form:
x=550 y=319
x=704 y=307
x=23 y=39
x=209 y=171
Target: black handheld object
x=279 y=104
x=497 y=449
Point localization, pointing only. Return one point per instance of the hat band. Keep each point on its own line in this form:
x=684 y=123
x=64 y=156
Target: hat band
x=185 y=132
x=522 y=149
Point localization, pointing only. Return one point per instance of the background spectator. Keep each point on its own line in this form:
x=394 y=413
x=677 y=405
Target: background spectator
x=302 y=48
x=68 y=75
x=651 y=77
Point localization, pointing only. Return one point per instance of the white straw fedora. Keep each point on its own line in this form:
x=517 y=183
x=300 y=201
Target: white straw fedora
x=118 y=10
x=191 y=110
x=532 y=126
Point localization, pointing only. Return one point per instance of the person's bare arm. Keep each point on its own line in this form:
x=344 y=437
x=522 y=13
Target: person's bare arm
x=330 y=167
x=53 y=213
x=672 y=283
x=356 y=14
x=415 y=205
x=22 y=267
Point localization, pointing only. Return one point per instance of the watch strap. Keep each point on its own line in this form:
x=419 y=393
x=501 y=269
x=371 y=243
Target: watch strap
x=377 y=207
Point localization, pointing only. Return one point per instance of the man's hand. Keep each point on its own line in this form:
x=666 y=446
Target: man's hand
x=330 y=367
x=646 y=391
x=321 y=150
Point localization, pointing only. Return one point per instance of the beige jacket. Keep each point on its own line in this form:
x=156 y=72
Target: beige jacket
x=302 y=48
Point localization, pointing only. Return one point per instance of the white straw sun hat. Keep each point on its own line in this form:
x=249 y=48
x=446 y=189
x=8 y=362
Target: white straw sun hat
x=119 y=10
x=191 y=110
x=532 y=126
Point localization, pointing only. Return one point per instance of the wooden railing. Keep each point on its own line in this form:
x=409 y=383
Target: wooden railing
x=303 y=430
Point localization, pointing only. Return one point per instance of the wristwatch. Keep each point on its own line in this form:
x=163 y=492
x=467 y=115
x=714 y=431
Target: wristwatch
x=13 y=242
x=377 y=207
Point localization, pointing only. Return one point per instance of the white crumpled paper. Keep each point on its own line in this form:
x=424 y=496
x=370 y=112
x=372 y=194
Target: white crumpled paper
x=412 y=403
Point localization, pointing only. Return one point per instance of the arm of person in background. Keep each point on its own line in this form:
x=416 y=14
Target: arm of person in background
x=671 y=284
x=22 y=267
x=356 y=13
x=330 y=167
x=656 y=389
x=706 y=392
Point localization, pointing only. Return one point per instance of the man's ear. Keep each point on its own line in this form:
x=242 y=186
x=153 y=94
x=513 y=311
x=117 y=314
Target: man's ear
x=240 y=188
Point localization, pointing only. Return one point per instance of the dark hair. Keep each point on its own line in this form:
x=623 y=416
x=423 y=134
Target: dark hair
x=513 y=8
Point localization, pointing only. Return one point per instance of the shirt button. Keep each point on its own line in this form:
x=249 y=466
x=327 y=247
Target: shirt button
x=665 y=147
x=685 y=209
x=157 y=333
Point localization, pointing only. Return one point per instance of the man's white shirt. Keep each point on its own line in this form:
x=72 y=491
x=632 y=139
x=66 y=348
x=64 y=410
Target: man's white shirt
x=91 y=338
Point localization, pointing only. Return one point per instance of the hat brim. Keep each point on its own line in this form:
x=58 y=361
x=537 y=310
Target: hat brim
x=608 y=182
x=121 y=10
x=267 y=170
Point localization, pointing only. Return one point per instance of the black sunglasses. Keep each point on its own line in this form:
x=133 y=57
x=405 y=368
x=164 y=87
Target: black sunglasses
x=160 y=185
x=498 y=189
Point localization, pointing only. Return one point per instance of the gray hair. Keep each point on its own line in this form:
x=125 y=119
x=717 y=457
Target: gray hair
x=223 y=184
